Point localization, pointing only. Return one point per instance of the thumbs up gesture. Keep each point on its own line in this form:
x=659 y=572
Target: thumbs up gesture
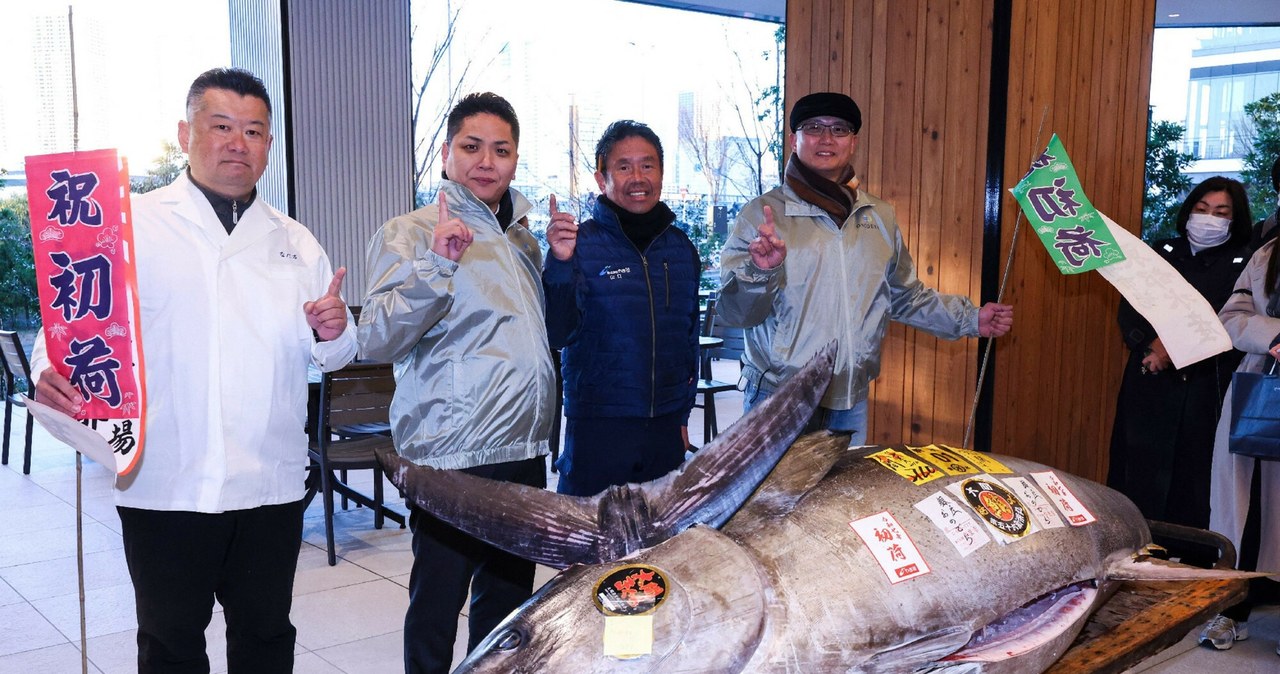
x=451 y=236
x=328 y=314
x=767 y=250
x=562 y=233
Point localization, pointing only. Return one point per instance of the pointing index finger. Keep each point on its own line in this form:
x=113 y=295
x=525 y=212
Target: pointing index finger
x=554 y=210
x=336 y=284
x=767 y=229
x=444 y=206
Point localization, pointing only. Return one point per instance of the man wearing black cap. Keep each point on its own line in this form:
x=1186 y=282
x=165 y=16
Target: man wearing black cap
x=817 y=259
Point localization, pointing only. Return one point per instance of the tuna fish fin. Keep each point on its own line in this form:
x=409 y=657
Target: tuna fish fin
x=535 y=524
x=1143 y=567
x=559 y=530
x=926 y=648
x=800 y=469
x=709 y=488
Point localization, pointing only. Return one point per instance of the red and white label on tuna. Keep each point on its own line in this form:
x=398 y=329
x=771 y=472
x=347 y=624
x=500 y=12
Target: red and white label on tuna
x=893 y=549
x=1063 y=499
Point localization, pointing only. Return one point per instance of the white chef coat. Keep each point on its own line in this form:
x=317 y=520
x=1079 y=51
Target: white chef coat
x=225 y=349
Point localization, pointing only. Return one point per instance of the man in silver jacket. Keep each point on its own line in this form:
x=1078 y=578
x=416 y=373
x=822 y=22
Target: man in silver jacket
x=455 y=301
x=817 y=259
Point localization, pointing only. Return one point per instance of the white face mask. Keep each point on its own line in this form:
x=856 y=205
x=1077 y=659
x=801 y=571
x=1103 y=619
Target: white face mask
x=1206 y=231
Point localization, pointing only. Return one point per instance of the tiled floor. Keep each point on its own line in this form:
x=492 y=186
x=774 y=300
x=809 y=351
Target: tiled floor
x=349 y=617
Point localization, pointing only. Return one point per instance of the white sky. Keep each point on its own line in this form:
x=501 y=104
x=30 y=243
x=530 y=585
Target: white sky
x=132 y=87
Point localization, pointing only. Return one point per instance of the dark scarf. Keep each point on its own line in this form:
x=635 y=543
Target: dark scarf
x=833 y=197
x=227 y=210
x=506 y=209
x=642 y=229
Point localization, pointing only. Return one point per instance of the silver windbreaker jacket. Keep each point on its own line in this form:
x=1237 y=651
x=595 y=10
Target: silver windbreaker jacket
x=842 y=283
x=474 y=380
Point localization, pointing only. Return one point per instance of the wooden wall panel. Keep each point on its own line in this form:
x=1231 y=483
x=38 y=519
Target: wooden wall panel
x=921 y=72
x=1084 y=67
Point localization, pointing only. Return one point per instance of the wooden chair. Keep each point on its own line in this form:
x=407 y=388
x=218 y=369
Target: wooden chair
x=16 y=368
x=356 y=396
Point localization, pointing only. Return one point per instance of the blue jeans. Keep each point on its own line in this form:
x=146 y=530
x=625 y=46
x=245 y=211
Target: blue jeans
x=853 y=420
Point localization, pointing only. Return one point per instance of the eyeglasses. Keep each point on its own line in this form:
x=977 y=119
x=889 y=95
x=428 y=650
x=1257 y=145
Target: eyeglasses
x=816 y=129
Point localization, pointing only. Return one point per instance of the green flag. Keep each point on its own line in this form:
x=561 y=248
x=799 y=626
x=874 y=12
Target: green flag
x=1070 y=228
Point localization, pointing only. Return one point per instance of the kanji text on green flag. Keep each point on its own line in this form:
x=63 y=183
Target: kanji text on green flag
x=1070 y=228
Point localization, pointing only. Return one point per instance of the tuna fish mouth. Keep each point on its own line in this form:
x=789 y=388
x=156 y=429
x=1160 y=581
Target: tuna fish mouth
x=1031 y=626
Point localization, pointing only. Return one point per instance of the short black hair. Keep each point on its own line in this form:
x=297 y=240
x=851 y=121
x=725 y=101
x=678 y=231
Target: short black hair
x=238 y=80
x=1275 y=175
x=1241 y=217
x=478 y=104
x=619 y=131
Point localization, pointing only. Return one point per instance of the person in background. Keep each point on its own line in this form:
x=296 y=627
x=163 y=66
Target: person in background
x=818 y=259
x=1242 y=503
x=1265 y=230
x=1162 y=440
x=455 y=301
x=622 y=300
x=236 y=300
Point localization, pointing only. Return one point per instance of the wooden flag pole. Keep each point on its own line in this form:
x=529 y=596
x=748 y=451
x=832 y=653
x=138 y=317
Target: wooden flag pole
x=1004 y=280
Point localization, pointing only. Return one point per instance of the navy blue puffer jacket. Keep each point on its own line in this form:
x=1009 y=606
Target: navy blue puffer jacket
x=627 y=320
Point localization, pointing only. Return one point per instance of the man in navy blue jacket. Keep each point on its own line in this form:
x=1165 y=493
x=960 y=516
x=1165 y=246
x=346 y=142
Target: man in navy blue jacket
x=622 y=301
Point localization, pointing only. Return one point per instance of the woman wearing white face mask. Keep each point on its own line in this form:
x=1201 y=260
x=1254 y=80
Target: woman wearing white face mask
x=1162 y=441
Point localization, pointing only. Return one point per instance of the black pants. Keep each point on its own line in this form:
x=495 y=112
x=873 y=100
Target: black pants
x=1261 y=590
x=180 y=561
x=445 y=563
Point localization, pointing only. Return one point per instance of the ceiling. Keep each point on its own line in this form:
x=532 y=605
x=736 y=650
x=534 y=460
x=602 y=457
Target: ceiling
x=1189 y=12
x=1229 y=13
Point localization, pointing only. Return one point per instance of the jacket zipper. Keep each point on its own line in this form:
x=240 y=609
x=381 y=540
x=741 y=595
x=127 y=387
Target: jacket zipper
x=653 y=341
x=666 y=280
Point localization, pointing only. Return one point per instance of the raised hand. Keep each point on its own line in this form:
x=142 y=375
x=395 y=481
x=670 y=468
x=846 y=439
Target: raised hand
x=451 y=236
x=562 y=233
x=767 y=250
x=328 y=314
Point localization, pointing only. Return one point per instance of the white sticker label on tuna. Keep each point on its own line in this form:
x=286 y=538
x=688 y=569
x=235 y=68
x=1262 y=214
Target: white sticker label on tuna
x=891 y=546
x=963 y=532
x=1063 y=499
x=1041 y=511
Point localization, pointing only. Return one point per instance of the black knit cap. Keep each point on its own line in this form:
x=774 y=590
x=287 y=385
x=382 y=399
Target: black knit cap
x=825 y=104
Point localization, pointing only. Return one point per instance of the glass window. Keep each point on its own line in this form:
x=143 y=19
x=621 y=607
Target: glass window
x=708 y=85
x=134 y=62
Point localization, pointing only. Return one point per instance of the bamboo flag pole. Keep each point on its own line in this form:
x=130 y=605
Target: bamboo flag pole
x=75 y=147
x=1004 y=280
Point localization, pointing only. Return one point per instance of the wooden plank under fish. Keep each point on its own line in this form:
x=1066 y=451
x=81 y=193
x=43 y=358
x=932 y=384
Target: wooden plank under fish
x=1144 y=618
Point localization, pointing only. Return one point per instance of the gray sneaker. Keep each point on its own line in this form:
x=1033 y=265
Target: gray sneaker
x=1222 y=633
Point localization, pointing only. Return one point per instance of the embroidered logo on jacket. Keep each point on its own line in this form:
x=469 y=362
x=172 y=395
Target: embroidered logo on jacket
x=614 y=273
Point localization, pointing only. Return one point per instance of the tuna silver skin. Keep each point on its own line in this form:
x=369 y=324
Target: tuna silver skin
x=784 y=584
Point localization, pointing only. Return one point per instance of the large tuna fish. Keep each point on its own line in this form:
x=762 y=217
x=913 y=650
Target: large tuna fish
x=867 y=560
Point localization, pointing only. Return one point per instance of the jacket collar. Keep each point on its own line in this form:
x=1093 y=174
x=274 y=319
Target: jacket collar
x=190 y=204
x=468 y=206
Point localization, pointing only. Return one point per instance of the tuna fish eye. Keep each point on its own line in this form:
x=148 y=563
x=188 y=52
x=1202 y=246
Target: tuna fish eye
x=508 y=641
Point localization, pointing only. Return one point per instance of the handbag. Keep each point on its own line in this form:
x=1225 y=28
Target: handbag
x=1255 y=414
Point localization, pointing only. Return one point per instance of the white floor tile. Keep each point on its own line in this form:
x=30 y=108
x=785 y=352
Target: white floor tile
x=50 y=660
x=23 y=628
x=346 y=614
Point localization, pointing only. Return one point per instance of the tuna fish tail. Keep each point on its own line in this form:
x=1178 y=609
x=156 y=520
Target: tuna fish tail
x=559 y=530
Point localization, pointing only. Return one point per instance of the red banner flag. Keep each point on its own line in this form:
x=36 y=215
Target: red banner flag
x=82 y=239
